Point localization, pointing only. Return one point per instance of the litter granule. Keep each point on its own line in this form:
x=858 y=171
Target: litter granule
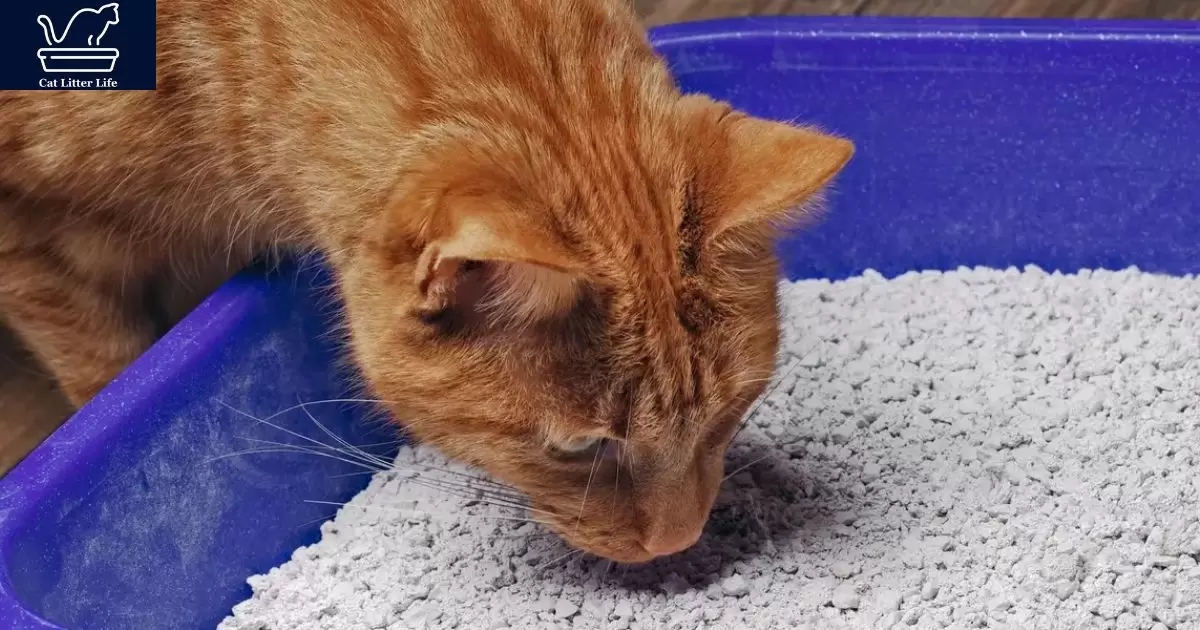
x=973 y=449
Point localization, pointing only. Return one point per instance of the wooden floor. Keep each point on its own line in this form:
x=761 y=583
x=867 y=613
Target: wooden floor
x=30 y=407
x=667 y=11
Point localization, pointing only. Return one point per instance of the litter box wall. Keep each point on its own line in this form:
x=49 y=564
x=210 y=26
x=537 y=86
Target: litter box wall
x=135 y=516
x=1067 y=145
x=1061 y=144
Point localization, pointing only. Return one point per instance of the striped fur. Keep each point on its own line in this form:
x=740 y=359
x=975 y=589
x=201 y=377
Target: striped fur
x=536 y=236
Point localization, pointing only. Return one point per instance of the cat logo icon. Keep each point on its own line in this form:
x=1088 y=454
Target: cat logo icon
x=76 y=48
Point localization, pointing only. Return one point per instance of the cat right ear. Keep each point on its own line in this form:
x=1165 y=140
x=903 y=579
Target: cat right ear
x=758 y=175
x=484 y=262
x=774 y=169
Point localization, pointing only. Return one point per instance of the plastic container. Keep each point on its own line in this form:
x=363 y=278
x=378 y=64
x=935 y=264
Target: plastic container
x=1062 y=144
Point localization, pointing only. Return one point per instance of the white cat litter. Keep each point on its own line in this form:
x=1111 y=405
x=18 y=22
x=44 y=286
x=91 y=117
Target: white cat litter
x=974 y=449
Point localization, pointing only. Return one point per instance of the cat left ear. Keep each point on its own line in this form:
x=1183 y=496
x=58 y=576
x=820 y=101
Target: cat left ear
x=772 y=169
x=486 y=263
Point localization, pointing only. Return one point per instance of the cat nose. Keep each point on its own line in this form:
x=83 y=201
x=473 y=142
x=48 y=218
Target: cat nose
x=665 y=543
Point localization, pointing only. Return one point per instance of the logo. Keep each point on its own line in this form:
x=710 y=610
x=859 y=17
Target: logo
x=76 y=48
x=78 y=45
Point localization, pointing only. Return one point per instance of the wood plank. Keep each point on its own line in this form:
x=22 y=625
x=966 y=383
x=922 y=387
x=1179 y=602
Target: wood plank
x=1090 y=9
x=656 y=12
x=667 y=11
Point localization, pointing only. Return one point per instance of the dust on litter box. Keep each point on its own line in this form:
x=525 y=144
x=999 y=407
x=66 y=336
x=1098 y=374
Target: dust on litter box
x=977 y=448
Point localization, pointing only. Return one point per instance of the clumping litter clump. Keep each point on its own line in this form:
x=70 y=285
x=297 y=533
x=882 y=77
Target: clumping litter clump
x=971 y=449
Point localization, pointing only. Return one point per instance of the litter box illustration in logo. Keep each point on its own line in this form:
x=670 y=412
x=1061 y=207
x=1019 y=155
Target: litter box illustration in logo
x=76 y=48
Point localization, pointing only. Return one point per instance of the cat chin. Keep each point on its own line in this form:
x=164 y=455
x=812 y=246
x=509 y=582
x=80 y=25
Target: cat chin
x=628 y=557
x=631 y=554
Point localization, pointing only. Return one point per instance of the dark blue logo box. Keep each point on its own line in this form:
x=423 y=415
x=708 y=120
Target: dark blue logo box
x=77 y=45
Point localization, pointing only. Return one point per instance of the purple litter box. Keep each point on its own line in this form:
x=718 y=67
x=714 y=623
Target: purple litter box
x=1062 y=144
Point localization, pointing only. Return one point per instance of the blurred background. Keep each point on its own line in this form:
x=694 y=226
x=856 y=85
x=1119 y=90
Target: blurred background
x=30 y=407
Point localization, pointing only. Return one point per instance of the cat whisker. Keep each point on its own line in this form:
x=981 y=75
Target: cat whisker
x=588 y=488
x=382 y=463
x=395 y=442
x=328 y=401
x=466 y=492
x=530 y=535
x=478 y=483
x=566 y=557
x=356 y=474
x=791 y=367
x=316 y=520
x=612 y=512
x=501 y=504
x=285 y=430
x=482 y=480
x=323 y=450
x=277 y=447
x=403 y=505
x=474 y=489
x=507 y=506
x=745 y=466
x=621 y=454
x=407 y=512
x=472 y=494
x=349 y=454
x=445 y=486
x=249 y=451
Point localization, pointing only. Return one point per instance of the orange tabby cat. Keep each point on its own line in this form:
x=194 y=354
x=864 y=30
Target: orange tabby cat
x=559 y=265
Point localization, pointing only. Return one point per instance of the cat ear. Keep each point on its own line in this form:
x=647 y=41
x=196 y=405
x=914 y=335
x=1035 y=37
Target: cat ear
x=483 y=263
x=772 y=169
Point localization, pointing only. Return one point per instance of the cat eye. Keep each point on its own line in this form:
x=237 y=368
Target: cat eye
x=577 y=445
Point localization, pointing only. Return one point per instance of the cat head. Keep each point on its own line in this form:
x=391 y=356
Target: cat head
x=579 y=295
x=588 y=320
